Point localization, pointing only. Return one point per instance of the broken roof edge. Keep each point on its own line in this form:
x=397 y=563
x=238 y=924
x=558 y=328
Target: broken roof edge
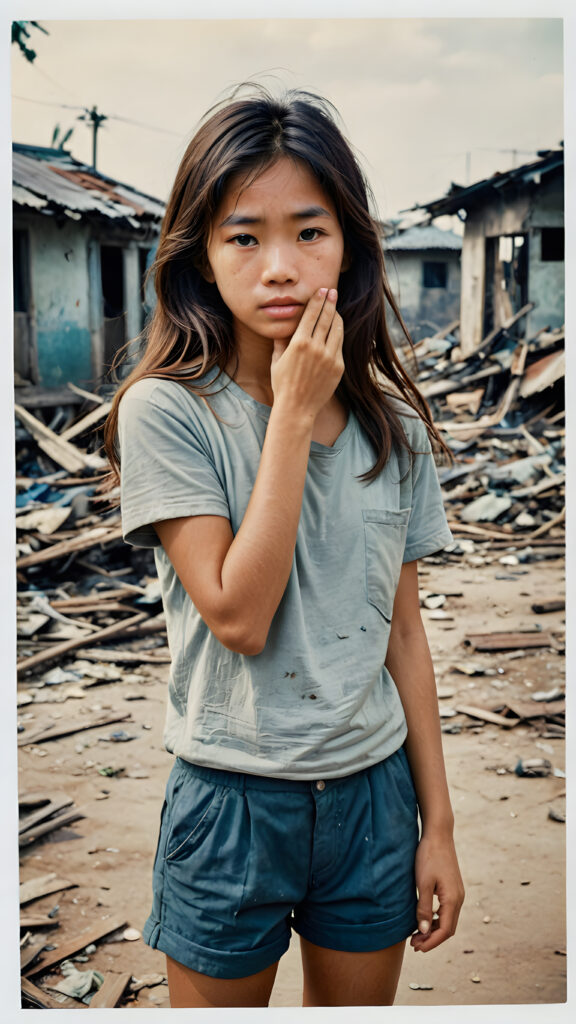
x=67 y=162
x=458 y=196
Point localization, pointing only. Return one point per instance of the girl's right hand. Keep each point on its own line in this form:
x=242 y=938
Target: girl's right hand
x=306 y=369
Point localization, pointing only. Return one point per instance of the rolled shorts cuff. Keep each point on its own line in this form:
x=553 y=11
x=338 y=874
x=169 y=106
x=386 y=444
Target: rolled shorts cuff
x=214 y=962
x=358 y=938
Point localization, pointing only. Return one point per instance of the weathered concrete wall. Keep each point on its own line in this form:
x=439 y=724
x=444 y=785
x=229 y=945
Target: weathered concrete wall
x=546 y=287
x=438 y=306
x=541 y=207
x=59 y=287
x=546 y=279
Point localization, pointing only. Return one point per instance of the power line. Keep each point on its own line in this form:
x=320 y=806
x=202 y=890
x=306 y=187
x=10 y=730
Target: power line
x=109 y=117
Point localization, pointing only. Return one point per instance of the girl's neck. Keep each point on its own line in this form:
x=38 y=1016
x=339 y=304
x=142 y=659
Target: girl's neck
x=250 y=368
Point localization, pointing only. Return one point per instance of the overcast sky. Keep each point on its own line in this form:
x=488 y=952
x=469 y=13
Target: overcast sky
x=415 y=94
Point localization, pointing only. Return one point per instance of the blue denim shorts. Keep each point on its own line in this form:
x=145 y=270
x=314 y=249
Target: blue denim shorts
x=243 y=859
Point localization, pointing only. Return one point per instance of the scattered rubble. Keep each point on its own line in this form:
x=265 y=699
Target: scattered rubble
x=507 y=433
x=90 y=613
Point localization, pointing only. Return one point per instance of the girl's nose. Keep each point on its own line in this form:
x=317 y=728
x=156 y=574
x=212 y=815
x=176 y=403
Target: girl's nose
x=279 y=266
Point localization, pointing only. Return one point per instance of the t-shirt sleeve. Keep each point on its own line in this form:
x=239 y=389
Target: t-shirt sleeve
x=166 y=467
x=428 y=529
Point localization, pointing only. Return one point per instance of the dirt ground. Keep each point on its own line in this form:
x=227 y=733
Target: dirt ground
x=510 y=947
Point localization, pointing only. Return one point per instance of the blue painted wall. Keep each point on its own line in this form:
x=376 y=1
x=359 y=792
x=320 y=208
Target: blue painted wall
x=60 y=293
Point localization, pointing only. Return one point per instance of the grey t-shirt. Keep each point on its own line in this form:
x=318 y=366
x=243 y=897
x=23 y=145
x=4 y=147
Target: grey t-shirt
x=317 y=702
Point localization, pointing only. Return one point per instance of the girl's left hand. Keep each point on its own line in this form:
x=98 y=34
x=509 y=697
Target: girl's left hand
x=437 y=873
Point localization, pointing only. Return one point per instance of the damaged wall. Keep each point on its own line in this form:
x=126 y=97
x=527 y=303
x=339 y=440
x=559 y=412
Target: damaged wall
x=81 y=247
x=546 y=269
x=58 y=296
x=531 y=214
x=432 y=300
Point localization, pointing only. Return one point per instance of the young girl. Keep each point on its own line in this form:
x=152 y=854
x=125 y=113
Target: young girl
x=275 y=454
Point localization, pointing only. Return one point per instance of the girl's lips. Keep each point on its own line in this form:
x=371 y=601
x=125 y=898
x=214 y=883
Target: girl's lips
x=282 y=311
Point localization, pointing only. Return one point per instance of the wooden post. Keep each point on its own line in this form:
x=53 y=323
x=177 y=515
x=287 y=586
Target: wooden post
x=473 y=284
x=96 y=308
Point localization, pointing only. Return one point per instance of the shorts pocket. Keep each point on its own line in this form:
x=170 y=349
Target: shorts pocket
x=195 y=807
x=385 y=537
x=404 y=777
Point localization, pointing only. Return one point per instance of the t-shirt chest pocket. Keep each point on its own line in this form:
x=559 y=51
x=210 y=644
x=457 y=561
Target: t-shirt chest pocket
x=385 y=538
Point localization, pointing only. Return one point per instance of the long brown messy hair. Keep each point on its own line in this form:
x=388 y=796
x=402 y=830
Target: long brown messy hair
x=191 y=324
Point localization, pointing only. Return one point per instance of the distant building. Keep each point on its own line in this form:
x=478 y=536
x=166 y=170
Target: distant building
x=423 y=265
x=513 y=247
x=81 y=247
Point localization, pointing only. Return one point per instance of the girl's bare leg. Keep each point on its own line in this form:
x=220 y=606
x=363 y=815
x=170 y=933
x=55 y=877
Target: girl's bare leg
x=189 y=988
x=332 y=978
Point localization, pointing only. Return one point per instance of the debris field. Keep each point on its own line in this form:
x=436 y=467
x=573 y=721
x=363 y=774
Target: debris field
x=93 y=655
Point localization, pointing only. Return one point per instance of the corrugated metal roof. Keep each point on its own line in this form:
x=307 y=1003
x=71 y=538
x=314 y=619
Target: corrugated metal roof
x=464 y=197
x=423 y=237
x=23 y=197
x=53 y=180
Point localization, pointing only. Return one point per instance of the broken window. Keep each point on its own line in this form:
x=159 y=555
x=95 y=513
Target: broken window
x=435 y=274
x=24 y=353
x=506 y=288
x=20 y=260
x=113 y=297
x=552 y=245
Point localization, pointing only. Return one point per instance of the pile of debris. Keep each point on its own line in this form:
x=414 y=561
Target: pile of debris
x=73 y=987
x=502 y=411
x=80 y=586
x=89 y=612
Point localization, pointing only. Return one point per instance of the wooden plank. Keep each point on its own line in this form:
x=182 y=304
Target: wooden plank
x=110 y=992
x=480 y=531
x=486 y=716
x=100 y=535
x=86 y=938
x=49 y=826
x=44 y=1001
x=508 y=641
x=548 y=526
x=547 y=484
x=117 y=594
x=55 y=732
x=157 y=656
x=529 y=709
x=449 y=329
x=62 y=452
x=69 y=645
x=50 y=808
x=473 y=271
x=97 y=399
x=38 y=921
x=473 y=428
x=97 y=606
x=445 y=387
x=29 y=955
x=487 y=341
x=43 y=885
x=90 y=420
x=545 y=607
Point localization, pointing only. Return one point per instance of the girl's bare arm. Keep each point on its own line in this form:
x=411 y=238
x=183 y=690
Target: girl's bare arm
x=410 y=665
x=237 y=582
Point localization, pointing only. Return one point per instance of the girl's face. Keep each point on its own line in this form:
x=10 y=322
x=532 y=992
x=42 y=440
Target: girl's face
x=272 y=245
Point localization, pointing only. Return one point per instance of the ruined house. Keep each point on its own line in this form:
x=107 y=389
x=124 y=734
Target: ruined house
x=513 y=248
x=81 y=247
x=423 y=265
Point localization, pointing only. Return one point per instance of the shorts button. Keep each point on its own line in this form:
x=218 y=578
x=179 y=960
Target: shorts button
x=320 y=784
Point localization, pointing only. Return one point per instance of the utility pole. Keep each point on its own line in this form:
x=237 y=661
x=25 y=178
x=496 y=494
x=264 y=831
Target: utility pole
x=95 y=119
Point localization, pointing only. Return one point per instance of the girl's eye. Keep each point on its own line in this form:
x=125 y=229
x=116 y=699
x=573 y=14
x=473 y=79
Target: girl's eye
x=244 y=241
x=309 y=234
